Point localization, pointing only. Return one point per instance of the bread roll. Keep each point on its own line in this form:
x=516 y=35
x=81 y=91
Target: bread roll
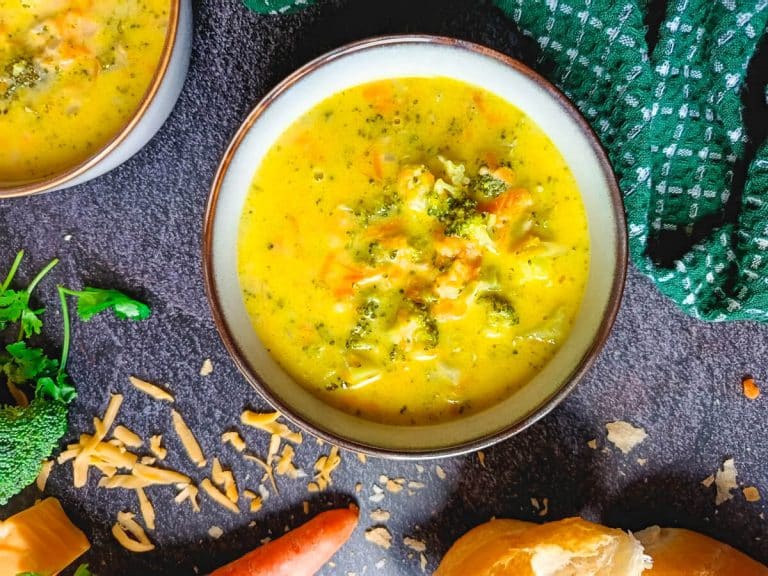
x=565 y=548
x=678 y=552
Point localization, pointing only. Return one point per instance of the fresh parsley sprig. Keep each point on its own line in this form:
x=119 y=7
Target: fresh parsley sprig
x=25 y=365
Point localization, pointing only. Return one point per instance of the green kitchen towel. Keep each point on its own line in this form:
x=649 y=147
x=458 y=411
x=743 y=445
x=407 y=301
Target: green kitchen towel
x=672 y=122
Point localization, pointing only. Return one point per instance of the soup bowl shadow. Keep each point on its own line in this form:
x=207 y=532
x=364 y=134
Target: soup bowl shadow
x=416 y=56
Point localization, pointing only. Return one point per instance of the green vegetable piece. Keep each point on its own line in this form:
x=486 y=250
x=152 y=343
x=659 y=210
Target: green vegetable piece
x=82 y=570
x=500 y=309
x=22 y=364
x=58 y=388
x=487 y=186
x=27 y=437
x=92 y=301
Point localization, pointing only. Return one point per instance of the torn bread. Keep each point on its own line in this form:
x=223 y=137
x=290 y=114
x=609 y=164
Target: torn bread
x=564 y=548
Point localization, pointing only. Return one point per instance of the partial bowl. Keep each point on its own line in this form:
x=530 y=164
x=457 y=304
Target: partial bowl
x=153 y=110
x=398 y=57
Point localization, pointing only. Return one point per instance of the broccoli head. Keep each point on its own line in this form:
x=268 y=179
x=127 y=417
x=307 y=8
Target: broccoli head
x=487 y=186
x=28 y=435
x=500 y=310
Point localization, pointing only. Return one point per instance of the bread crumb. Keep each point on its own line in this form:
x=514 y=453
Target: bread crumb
x=481 y=457
x=725 y=481
x=642 y=461
x=395 y=485
x=380 y=563
x=379 y=516
x=358 y=487
x=207 y=368
x=362 y=458
x=544 y=507
x=708 y=481
x=625 y=436
x=750 y=389
x=215 y=532
x=592 y=443
x=535 y=503
x=423 y=562
x=440 y=472
x=415 y=544
x=379 y=536
x=416 y=485
x=751 y=494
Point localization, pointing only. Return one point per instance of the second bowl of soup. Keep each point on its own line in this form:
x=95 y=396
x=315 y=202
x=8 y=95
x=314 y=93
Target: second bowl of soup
x=414 y=246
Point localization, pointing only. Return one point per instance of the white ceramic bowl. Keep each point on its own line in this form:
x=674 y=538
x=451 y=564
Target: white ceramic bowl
x=154 y=109
x=424 y=56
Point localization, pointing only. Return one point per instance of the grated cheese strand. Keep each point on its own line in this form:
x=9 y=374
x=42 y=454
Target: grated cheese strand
x=130 y=534
x=188 y=440
x=150 y=389
x=127 y=437
x=42 y=477
x=147 y=510
x=234 y=439
x=218 y=496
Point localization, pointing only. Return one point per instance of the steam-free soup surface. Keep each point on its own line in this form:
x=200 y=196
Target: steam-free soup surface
x=72 y=74
x=413 y=250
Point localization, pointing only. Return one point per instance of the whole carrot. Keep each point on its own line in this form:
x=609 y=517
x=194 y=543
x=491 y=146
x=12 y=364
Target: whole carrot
x=300 y=552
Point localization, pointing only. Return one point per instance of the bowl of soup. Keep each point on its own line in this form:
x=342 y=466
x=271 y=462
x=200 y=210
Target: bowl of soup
x=84 y=85
x=414 y=246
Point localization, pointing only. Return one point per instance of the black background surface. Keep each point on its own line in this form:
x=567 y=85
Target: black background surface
x=139 y=227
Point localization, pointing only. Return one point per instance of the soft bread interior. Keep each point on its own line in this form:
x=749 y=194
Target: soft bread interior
x=570 y=547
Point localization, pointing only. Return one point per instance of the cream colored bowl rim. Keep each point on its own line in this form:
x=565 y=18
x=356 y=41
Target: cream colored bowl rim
x=619 y=236
x=58 y=179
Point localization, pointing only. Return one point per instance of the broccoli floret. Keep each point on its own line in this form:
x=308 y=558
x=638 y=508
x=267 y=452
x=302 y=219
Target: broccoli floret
x=28 y=435
x=428 y=332
x=367 y=313
x=500 y=309
x=487 y=186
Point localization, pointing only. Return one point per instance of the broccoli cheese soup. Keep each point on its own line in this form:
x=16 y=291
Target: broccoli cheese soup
x=413 y=250
x=72 y=74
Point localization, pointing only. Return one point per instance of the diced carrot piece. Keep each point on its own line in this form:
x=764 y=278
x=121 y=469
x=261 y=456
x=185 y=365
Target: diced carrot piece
x=509 y=204
x=504 y=174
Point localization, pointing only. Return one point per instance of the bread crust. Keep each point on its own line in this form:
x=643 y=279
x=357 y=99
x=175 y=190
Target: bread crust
x=678 y=552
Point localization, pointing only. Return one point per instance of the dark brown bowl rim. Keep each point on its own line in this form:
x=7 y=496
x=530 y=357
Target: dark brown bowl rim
x=54 y=181
x=587 y=360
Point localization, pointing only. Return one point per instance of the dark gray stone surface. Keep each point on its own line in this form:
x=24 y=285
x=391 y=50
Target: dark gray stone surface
x=139 y=228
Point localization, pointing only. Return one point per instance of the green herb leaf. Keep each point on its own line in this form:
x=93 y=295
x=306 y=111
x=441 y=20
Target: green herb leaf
x=22 y=364
x=13 y=303
x=82 y=570
x=59 y=389
x=92 y=301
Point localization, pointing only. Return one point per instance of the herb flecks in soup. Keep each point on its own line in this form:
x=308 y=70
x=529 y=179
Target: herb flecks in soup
x=413 y=250
x=72 y=74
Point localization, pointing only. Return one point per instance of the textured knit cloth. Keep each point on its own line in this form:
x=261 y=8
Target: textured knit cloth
x=672 y=122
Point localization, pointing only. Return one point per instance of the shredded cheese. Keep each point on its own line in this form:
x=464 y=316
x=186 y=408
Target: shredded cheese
x=285 y=466
x=234 y=439
x=147 y=510
x=130 y=534
x=188 y=440
x=189 y=492
x=218 y=496
x=324 y=466
x=160 y=475
x=155 y=445
x=207 y=368
x=267 y=470
x=150 y=389
x=268 y=423
x=88 y=444
x=127 y=437
x=256 y=501
x=42 y=477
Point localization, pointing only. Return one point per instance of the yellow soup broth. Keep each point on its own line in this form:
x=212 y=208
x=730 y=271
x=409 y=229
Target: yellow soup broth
x=413 y=250
x=72 y=74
